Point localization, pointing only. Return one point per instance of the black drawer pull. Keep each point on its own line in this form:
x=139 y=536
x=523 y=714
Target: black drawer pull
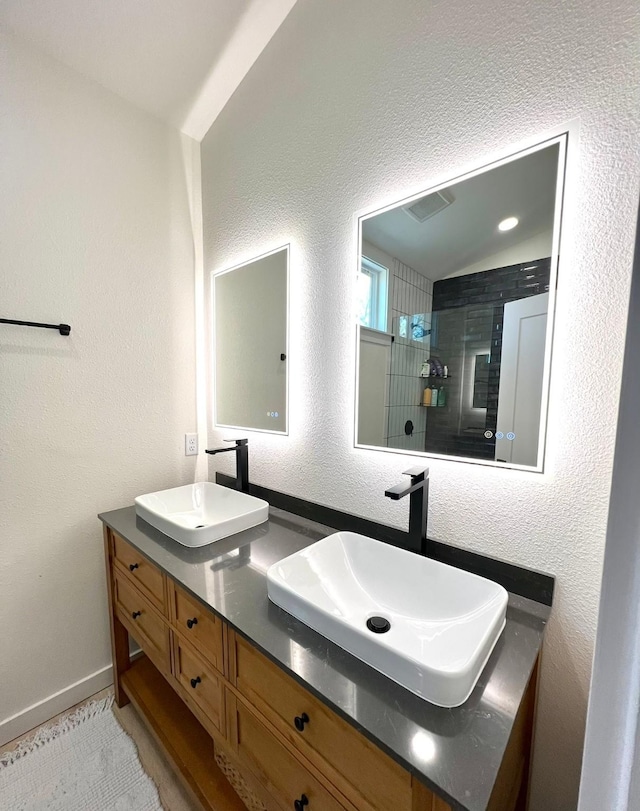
x=300 y=804
x=195 y=682
x=136 y=614
x=300 y=721
x=133 y=567
x=191 y=623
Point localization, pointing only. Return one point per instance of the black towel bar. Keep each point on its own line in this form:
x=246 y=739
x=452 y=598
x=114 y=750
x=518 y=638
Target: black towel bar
x=63 y=329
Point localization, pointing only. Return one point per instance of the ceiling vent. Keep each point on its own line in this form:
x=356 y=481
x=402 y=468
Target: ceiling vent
x=426 y=207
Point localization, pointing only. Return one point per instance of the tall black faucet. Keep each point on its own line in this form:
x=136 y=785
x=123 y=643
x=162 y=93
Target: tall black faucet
x=242 y=461
x=418 y=505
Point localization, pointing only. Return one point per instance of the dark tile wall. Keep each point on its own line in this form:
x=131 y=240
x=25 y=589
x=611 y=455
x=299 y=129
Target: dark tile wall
x=468 y=313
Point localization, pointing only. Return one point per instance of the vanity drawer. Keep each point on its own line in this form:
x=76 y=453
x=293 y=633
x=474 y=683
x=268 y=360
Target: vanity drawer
x=197 y=625
x=202 y=686
x=356 y=766
x=146 y=576
x=143 y=622
x=277 y=770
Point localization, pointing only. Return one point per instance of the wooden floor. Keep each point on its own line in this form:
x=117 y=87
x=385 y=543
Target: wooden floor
x=172 y=794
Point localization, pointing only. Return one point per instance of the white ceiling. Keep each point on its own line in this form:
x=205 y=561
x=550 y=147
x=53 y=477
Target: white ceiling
x=466 y=232
x=180 y=60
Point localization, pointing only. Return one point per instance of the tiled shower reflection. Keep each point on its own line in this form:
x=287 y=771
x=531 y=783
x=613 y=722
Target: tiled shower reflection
x=411 y=327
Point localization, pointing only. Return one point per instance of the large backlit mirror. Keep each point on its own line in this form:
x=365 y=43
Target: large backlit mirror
x=455 y=298
x=250 y=307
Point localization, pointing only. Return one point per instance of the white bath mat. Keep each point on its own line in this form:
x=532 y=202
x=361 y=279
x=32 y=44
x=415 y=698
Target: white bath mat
x=84 y=762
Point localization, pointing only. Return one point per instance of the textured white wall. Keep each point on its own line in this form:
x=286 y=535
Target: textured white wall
x=355 y=104
x=95 y=231
x=611 y=765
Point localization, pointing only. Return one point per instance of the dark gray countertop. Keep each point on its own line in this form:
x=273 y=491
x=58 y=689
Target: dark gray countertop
x=456 y=752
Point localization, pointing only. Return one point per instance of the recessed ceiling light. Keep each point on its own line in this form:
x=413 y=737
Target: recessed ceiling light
x=508 y=224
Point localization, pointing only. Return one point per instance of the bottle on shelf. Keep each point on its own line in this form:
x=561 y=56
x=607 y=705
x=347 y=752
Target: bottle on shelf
x=442 y=397
x=426 y=397
x=432 y=367
x=434 y=396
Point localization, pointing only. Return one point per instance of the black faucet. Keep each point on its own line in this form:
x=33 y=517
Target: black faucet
x=418 y=506
x=242 y=461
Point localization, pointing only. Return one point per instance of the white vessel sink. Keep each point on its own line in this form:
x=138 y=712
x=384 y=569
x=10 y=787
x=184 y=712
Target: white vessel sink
x=197 y=514
x=444 y=622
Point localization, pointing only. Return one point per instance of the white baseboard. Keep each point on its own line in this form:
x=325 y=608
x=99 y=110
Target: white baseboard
x=42 y=711
x=38 y=713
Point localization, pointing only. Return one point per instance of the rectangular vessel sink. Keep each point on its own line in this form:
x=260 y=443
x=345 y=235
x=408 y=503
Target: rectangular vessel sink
x=443 y=622
x=197 y=514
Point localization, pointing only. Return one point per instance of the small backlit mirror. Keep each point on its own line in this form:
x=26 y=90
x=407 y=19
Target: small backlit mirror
x=250 y=326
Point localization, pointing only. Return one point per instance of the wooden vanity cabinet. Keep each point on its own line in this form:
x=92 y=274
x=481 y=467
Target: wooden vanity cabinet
x=143 y=622
x=317 y=733
x=147 y=578
x=200 y=628
x=201 y=688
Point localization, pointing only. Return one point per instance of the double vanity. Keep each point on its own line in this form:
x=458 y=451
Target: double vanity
x=322 y=660
x=325 y=669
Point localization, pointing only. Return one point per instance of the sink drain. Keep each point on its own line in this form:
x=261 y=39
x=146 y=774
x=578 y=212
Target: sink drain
x=200 y=526
x=379 y=625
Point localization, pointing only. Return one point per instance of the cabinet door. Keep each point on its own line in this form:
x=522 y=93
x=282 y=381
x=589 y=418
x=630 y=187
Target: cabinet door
x=201 y=685
x=147 y=577
x=199 y=626
x=356 y=766
x=283 y=776
x=143 y=622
